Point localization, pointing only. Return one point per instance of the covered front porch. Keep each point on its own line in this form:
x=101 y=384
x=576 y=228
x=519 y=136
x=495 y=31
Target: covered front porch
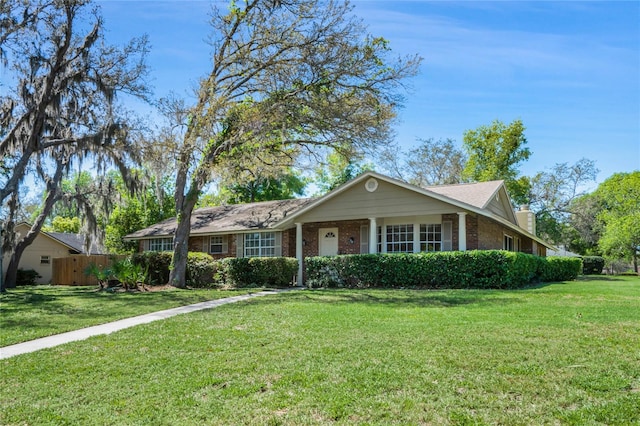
x=408 y=234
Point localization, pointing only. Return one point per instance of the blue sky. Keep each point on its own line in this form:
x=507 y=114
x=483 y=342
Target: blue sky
x=569 y=70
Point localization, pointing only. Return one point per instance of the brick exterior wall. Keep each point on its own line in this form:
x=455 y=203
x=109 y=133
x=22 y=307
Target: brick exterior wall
x=473 y=235
x=201 y=244
x=346 y=230
x=482 y=234
x=289 y=243
x=471 y=223
x=491 y=236
x=526 y=245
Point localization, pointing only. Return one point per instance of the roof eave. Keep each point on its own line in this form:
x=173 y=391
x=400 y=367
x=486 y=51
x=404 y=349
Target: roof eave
x=45 y=233
x=518 y=229
x=369 y=174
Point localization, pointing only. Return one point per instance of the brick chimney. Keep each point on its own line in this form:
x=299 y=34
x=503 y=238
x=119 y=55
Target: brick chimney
x=526 y=219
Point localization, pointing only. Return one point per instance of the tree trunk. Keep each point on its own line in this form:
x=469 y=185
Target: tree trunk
x=26 y=241
x=52 y=196
x=178 y=274
x=12 y=270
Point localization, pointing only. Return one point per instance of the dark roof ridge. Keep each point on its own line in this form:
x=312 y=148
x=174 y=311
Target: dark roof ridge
x=463 y=183
x=256 y=203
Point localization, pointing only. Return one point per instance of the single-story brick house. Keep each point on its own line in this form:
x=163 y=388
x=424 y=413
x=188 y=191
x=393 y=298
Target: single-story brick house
x=372 y=213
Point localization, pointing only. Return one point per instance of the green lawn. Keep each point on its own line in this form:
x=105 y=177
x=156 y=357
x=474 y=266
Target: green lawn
x=27 y=313
x=565 y=353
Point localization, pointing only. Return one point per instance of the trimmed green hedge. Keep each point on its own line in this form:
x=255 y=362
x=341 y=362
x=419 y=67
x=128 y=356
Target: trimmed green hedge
x=156 y=263
x=26 y=277
x=560 y=268
x=470 y=269
x=203 y=271
x=258 y=271
x=592 y=265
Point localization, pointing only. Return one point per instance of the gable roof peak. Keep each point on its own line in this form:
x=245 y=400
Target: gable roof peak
x=477 y=194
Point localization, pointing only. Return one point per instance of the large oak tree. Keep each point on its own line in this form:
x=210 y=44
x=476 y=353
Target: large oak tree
x=620 y=195
x=58 y=105
x=290 y=78
x=558 y=196
x=432 y=162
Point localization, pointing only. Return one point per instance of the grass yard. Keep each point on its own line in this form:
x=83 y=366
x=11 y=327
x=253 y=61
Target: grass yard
x=565 y=353
x=27 y=313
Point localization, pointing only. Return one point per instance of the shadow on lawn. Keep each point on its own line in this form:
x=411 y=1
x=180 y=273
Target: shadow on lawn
x=399 y=298
x=26 y=308
x=588 y=278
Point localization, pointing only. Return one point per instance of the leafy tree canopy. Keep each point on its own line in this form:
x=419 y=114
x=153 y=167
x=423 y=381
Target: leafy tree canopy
x=69 y=225
x=60 y=107
x=338 y=169
x=285 y=186
x=621 y=238
x=620 y=195
x=495 y=152
x=135 y=211
x=290 y=80
x=554 y=196
x=432 y=162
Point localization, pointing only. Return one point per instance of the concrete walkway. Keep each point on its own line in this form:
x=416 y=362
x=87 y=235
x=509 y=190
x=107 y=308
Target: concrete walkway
x=85 y=333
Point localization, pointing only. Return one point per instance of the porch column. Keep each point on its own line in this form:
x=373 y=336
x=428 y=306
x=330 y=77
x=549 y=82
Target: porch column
x=373 y=235
x=462 y=231
x=300 y=280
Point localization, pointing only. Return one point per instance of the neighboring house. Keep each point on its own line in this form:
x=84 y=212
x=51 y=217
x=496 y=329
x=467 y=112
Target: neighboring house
x=562 y=251
x=372 y=213
x=46 y=247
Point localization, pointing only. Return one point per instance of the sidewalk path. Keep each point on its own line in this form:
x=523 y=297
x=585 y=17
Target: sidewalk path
x=85 y=333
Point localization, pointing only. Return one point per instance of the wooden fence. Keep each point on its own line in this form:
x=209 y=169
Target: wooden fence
x=71 y=270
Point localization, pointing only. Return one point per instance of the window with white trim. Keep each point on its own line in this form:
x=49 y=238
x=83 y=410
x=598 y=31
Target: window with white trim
x=161 y=244
x=45 y=260
x=400 y=238
x=218 y=244
x=431 y=237
x=508 y=243
x=260 y=244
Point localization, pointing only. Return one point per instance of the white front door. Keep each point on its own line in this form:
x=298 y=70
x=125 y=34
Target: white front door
x=328 y=241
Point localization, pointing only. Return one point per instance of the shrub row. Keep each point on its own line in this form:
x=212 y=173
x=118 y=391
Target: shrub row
x=203 y=271
x=259 y=271
x=471 y=269
x=26 y=277
x=592 y=265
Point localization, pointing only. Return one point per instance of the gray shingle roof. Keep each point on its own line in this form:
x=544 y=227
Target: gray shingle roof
x=75 y=241
x=231 y=218
x=477 y=194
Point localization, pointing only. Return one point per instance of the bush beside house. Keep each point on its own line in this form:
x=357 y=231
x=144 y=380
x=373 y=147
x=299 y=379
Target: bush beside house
x=203 y=271
x=26 y=277
x=480 y=269
x=259 y=271
x=592 y=265
x=471 y=269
